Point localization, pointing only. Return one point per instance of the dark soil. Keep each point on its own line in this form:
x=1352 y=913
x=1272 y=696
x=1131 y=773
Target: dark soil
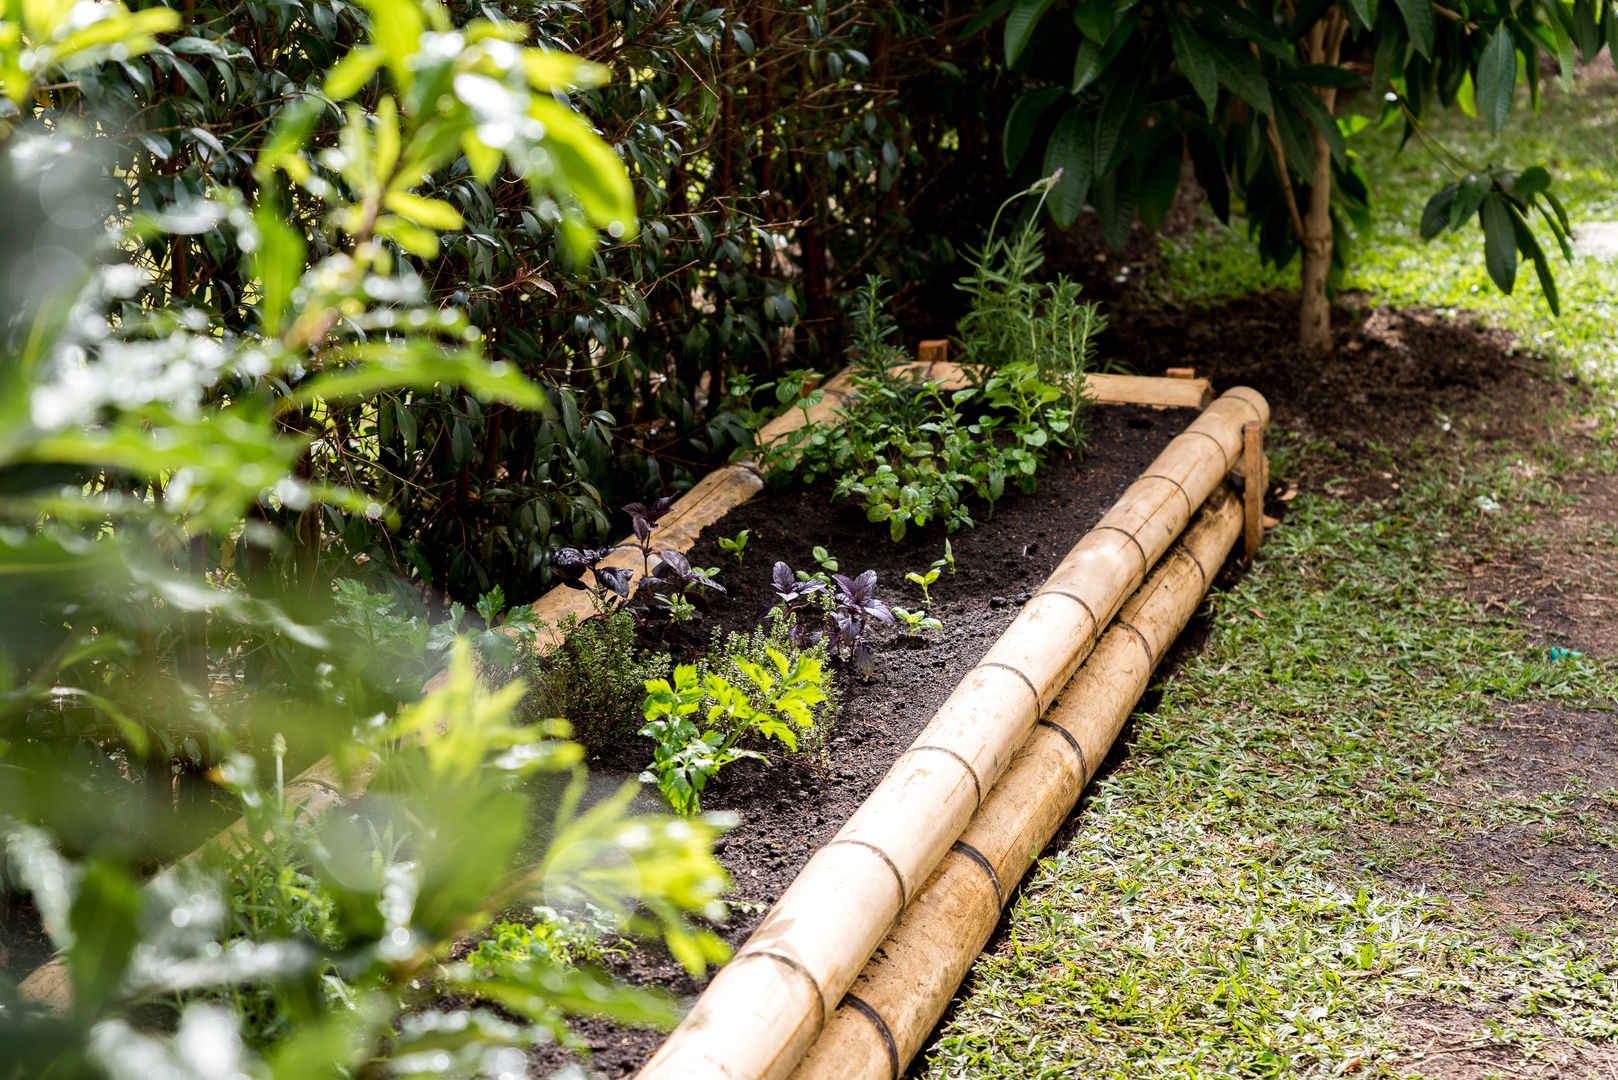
x=790 y=808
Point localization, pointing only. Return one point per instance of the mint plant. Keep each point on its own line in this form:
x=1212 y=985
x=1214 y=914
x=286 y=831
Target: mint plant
x=912 y=453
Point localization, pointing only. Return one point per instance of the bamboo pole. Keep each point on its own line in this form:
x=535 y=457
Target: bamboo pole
x=760 y=1013
x=1184 y=391
x=887 y=1015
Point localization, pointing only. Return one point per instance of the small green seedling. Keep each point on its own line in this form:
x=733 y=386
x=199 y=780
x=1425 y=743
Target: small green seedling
x=828 y=567
x=926 y=580
x=736 y=545
x=916 y=621
x=681 y=610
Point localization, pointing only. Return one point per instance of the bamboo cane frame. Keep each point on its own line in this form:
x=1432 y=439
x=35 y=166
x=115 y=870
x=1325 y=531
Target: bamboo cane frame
x=758 y=1016
x=324 y=786
x=887 y=1015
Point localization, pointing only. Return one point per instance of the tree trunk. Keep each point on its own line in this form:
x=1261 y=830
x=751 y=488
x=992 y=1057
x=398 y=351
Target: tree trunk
x=1323 y=46
x=1314 y=309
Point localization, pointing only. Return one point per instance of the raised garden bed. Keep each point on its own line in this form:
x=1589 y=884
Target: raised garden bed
x=791 y=808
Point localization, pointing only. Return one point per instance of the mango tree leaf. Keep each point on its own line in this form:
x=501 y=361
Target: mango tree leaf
x=1096 y=19
x=1092 y=60
x=1499 y=242
x=1239 y=70
x=1468 y=197
x=1529 y=245
x=1119 y=115
x=1314 y=110
x=1418 y=18
x=1020 y=23
x=1070 y=150
x=1116 y=195
x=1586 y=31
x=1196 y=62
x=1435 y=215
x=1159 y=182
x=1022 y=120
x=1497 y=79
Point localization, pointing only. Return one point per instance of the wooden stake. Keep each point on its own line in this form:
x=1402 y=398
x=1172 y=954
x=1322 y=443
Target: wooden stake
x=1253 y=477
x=1180 y=373
x=929 y=353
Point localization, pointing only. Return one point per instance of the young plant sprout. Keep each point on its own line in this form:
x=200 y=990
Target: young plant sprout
x=736 y=545
x=917 y=621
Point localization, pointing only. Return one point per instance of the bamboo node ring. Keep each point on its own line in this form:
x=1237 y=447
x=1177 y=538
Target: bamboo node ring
x=1067 y=736
x=1222 y=455
x=898 y=878
x=1151 y=654
x=1146 y=564
x=1181 y=549
x=867 y=1010
x=1189 y=509
x=1026 y=681
x=784 y=959
x=965 y=764
x=983 y=864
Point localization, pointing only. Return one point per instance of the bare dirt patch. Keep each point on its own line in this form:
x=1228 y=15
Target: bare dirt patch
x=1564 y=583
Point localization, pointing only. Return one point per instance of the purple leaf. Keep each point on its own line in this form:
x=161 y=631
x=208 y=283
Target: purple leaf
x=616 y=578
x=864 y=659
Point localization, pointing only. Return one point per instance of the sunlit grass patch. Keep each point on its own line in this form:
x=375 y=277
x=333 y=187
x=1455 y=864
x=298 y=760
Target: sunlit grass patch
x=1222 y=909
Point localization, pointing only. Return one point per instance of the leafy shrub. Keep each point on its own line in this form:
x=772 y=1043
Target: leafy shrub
x=911 y=453
x=730 y=652
x=595 y=679
x=138 y=436
x=774 y=700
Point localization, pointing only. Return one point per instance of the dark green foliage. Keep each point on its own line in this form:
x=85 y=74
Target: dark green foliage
x=772 y=159
x=595 y=680
x=1119 y=93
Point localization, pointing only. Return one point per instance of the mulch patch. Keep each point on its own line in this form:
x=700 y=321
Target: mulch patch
x=789 y=809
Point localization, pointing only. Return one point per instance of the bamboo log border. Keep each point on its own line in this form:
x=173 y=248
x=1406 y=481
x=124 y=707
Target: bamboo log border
x=887 y=1015
x=761 y=1012
x=323 y=786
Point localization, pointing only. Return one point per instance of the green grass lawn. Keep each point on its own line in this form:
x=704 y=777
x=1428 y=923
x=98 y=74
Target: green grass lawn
x=1229 y=901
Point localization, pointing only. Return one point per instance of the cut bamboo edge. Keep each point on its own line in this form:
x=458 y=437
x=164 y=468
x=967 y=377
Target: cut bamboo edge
x=760 y=1013
x=323 y=786
x=887 y=1015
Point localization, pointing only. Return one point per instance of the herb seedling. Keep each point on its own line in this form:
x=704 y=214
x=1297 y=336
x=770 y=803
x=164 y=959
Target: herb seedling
x=736 y=545
x=916 y=621
x=643 y=519
x=684 y=760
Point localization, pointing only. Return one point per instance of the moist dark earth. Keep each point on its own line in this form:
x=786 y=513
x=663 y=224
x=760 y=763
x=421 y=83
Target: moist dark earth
x=790 y=808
